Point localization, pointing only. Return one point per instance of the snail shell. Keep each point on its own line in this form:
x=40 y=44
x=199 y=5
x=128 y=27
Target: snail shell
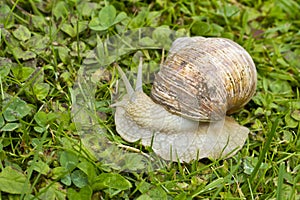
x=204 y=78
x=201 y=80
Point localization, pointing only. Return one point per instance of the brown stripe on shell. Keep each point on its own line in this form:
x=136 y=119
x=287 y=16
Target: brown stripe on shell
x=205 y=78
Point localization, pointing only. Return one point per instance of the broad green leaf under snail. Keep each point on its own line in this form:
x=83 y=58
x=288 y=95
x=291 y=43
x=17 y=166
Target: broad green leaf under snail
x=201 y=81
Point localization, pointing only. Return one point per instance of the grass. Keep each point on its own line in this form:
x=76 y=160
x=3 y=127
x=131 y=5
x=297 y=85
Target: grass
x=43 y=46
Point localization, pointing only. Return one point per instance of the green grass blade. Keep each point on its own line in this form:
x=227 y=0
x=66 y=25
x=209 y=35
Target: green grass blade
x=280 y=181
x=264 y=150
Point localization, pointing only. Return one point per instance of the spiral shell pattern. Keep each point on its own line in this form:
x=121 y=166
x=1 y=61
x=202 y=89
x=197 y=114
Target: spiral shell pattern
x=204 y=79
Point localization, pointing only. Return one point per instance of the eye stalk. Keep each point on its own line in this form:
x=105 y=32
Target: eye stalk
x=131 y=93
x=179 y=131
x=139 y=81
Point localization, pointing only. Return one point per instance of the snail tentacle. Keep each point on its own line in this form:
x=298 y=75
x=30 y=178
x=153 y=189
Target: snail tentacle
x=128 y=87
x=201 y=81
x=139 y=81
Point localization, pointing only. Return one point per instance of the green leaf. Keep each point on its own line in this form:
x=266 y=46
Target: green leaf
x=39 y=22
x=66 y=180
x=79 y=26
x=88 y=168
x=151 y=191
x=13 y=181
x=162 y=37
x=296 y=115
x=84 y=193
x=37 y=43
x=22 y=33
x=40 y=167
x=41 y=90
x=21 y=54
x=39 y=129
x=134 y=162
x=147 y=42
x=120 y=17
x=53 y=191
x=95 y=25
x=154 y=193
x=77 y=47
x=228 y=10
x=181 y=196
x=249 y=165
x=16 y=109
x=4 y=14
x=79 y=178
x=59 y=172
x=139 y=20
x=68 y=160
x=60 y=10
x=63 y=53
x=144 y=197
x=290 y=121
x=22 y=73
x=185 y=10
x=280 y=87
x=65 y=76
x=144 y=187
x=153 y=18
x=1 y=121
x=86 y=8
x=107 y=16
x=200 y=28
x=42 y=118
x=111 y=180
x=10 y=126
x=68 y=29
x=216 y=30
x=5 y=65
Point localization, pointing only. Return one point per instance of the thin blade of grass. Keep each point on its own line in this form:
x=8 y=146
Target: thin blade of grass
x=280 y=181
x=210 y=186
x=264 y=150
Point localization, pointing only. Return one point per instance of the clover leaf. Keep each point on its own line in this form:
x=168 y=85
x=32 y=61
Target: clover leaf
x=107 y=17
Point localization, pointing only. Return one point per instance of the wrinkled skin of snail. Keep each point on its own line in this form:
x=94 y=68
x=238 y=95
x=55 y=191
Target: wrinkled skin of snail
x=182 y=136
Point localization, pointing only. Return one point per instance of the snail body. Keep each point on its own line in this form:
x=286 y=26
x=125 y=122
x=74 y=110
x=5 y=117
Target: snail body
x=184 y=119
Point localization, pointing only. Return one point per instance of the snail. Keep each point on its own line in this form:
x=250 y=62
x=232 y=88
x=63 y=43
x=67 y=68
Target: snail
x=185 y=118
